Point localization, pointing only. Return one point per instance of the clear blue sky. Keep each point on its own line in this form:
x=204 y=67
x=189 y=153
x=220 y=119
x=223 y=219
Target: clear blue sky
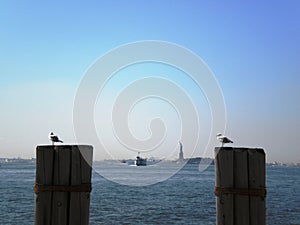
x=252 y=48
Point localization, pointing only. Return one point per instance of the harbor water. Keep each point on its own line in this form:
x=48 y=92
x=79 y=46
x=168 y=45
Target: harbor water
x=185 y=198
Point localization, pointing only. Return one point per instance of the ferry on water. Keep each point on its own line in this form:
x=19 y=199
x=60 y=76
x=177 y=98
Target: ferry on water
x=140 y=161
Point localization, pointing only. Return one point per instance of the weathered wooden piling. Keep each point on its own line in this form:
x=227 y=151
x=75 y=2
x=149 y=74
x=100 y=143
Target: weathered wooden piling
x=63 y=184
x=240 y=186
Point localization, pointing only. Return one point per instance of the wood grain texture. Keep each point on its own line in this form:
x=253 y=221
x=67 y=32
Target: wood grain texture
x=63 y=165
x=240 y=168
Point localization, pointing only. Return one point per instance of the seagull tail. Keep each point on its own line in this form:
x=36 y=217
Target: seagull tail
x=60 y=141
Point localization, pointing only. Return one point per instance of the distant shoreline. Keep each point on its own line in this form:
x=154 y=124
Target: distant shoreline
x=195 y=160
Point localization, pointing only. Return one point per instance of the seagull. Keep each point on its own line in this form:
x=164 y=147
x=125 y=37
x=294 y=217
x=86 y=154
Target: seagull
x=54 y=138
x=223 y=139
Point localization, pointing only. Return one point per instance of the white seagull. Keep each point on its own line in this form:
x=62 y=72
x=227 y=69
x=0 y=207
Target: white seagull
x=223 y=139
x=53 y=138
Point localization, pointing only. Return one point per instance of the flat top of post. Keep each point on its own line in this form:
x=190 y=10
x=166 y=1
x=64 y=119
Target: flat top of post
x=63 y=146
x=259 y=150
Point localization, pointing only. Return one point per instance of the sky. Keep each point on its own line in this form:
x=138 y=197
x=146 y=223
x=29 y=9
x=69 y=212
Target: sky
x=252 y=48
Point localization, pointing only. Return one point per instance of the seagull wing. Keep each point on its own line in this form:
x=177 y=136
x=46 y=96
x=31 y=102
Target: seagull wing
x=227 y=140
x=54 y=138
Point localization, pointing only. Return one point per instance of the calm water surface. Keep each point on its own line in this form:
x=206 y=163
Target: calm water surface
x=186 y=198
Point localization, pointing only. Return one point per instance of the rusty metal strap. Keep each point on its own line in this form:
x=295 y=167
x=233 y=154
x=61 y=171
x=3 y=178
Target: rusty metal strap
x=260 y=192
x=62 y=188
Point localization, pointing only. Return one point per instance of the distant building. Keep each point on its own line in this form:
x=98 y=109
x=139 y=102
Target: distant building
x=181 y=158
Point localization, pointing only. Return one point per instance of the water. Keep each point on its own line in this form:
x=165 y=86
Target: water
x=186 y=198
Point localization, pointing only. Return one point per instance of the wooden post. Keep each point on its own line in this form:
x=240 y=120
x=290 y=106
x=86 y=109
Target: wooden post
x=63 y=184
x=240 y=186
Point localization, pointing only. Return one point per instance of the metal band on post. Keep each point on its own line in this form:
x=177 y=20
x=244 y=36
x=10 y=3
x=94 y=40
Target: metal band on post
x=60 y=188
x=260 y=192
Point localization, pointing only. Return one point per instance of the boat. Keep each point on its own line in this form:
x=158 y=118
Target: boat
x=140 y=161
